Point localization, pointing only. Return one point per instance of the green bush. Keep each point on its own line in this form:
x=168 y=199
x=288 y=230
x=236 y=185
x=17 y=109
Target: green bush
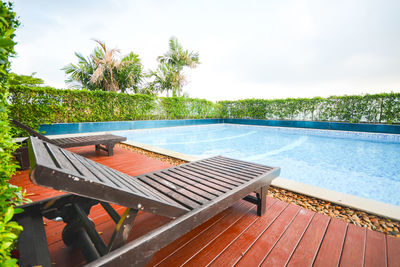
x=184 y=108
x=378 y=108
x=40 y=105
x=9 y=194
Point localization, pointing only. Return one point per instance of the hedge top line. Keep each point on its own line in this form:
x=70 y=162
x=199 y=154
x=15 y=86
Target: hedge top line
x=38 y=105
x=99 y=92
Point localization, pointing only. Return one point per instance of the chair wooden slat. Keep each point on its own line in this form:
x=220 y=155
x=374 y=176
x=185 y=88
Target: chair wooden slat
x=213 y=188
x=178 y=197
x=252 y=171
x=206 y=191
x=190 y=194
x=228 y=171
x=207 y=177
x=185 y=189
x=217 y=174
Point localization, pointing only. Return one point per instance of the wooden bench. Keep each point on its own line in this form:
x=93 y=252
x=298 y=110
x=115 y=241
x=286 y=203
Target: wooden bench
x=190 y=194
x=104 y=142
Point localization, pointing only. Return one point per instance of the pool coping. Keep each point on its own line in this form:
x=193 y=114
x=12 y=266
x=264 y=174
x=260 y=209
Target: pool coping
x=368 y=205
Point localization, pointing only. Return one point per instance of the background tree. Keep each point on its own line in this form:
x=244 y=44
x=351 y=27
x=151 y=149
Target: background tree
x=106 y=64
x=165 y=78
x=79 y=74
x=9 y=194
x=130 y=76
x=26 y=80
x=105 y=70
x=169 y=75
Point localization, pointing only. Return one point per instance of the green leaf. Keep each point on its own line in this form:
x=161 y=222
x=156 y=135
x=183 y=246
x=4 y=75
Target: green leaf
x=8 y=214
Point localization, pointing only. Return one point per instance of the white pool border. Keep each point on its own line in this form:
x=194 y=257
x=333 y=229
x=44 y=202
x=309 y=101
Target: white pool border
x=360 y=203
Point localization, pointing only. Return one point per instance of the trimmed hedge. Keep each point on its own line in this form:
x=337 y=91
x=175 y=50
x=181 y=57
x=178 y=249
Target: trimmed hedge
x=187 y=108
x=40 y=105
x=378 y=108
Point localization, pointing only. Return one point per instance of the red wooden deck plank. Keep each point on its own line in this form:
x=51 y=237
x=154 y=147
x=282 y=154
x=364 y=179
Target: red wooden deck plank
x=213 y=249
x=283 y=250
x=375 y=249
x=208 y=252
x=307 y=249
x=233 y=235
x=235 y=251
x=393 y=250
x=260 y=249
x=331 y=247
x=182 y=241
x=354 y=247
x=180 y=256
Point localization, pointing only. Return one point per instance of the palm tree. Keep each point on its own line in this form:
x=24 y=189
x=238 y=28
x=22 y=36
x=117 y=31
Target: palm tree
x=166 y=78
x=174 y=61
x=130 y=75
x=104 y=70
x=79 y=74
x=106 y=63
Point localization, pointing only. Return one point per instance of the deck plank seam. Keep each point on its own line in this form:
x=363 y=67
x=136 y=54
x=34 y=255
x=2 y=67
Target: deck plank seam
x=280 y=236
x=320 y=243
x=179 y=248
x=258 y=218
x=301 y=237
x=364 y=247
x=249 y=208
x=342 y=247
x=254 y=220
x=386 y=251
x=266 y=228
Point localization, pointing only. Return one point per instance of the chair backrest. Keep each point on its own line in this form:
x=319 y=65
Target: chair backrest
x=60 y=169
x=31 y=131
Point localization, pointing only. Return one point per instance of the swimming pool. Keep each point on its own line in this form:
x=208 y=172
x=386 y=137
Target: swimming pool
x=361 y=164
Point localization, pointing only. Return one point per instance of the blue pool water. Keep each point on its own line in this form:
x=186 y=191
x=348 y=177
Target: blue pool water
x=361 y=164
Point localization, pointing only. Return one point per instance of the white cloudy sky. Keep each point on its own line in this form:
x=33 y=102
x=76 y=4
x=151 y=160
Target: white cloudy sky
x=248 y=49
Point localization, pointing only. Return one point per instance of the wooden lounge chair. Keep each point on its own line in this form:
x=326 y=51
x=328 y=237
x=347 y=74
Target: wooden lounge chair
x=190 y=194
x=104 y=142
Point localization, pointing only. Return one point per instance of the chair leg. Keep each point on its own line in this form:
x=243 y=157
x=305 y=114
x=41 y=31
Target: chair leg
x=110 y=149
x=262 y=200
x=123 y=228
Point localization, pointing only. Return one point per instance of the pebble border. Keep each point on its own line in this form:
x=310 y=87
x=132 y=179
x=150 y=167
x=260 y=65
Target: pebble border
x=349 y=215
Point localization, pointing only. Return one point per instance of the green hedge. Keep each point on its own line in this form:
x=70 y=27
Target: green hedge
x=10 y=195
x=378 y=108
x=38 y=105
x=184 y=108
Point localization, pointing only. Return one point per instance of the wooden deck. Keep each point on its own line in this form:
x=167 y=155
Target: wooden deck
x=286 y=235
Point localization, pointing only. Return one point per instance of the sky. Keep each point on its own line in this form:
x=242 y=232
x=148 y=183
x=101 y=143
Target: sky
x=248 y=49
